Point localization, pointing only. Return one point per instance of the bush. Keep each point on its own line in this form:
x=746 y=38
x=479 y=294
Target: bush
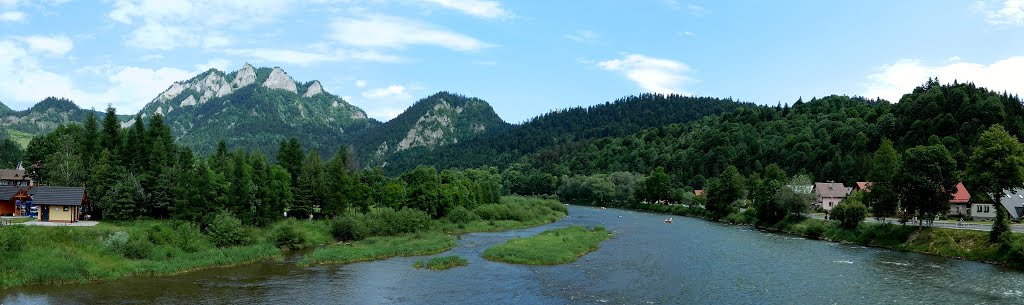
x=810 y=228
x=162 y=234
x=12 y=239
x=849 y=214
x=138 y=248
x=227 y=231
x=287 y=235
x=461 y=215
x=116 y=242
x=347 y=228
x=189 y=238
x=387 y=221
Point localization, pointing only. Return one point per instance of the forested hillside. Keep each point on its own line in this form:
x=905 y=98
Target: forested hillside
x=501 y=147
x=831 y=138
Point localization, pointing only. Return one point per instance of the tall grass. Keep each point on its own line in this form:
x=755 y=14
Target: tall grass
x=442 y=263
x=379 y=247
x=551 y=247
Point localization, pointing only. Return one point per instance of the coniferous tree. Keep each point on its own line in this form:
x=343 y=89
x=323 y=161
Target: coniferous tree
x=90 y=138
x=311 y=191
x=111 y=137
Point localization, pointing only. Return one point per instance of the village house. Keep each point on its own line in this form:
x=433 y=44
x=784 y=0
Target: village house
x=829 y=194
x=862 y=186
x=960 y=205
x=698 y=193
x=15 y=176
x=7 y=205
x=1013 y=201
x=59 y=203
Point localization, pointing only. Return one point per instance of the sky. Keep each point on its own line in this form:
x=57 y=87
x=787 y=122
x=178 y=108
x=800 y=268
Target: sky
x=524 y=57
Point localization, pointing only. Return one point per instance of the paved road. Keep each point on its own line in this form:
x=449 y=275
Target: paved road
x=1018 y=228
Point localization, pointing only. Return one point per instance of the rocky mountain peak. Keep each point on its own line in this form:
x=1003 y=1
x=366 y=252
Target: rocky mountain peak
x=279 y=79
x=314 y=89
x=245 y=77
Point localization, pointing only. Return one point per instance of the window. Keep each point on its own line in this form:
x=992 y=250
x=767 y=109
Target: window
x=65 y=208
x=986 y=209
x=979 y=208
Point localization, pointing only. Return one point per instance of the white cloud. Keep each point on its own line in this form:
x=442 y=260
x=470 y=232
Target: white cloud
x=478 y=8
x=308 y=58
x=12 y=16
x=652 y=74
x=217 y=63
x=165 y=25
x=385 y=103
x=360 y=83
x=1005 y=12
x=53 y=45
x=893 y=80
x=396 y=32
x=584 y=36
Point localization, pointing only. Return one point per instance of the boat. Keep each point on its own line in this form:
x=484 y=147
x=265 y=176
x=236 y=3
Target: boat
x=668 y=220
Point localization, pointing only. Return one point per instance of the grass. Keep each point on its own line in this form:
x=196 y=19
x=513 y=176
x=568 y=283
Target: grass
x=442 y=263
x=50 y=255
x=374 y=248
x=22 y=138
x=551 y=247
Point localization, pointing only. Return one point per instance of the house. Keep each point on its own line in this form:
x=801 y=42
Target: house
x=829 y=194
x=862 y=186
x=698 y=192
x=1013 y=201
x=15 y=176
x=59 y=203
x=960 y=205
x=7 y=204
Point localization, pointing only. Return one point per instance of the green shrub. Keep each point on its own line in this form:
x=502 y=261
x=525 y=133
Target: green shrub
x=849 y=214
x=225 y=231
x=190 y=238
x=810 y=228
x=162 y=234
x=387 y=221
x=138 y=247
x=347 y=228
x=12 y=239
x=287 y=235
x=461 y=215
x=115 y=242
x=446 y=262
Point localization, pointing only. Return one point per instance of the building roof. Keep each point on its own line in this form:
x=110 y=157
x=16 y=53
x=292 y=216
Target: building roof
x=960 y=195
x=863 y=186
x=13 y=174
x=830 y=189
x=57 y=195
x=1013 y=201
x=698 y=192
x=8 y=191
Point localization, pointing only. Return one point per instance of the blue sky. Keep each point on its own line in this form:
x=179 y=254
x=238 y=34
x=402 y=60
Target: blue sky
x=524 y=57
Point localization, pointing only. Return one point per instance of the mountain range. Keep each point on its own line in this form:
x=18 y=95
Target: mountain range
x=256 y=108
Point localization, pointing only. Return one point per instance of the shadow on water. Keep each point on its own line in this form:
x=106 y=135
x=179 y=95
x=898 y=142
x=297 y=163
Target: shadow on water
x=647 y=262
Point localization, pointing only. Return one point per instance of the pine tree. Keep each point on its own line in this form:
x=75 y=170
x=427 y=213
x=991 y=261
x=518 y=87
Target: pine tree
x=90 y=138
x=111 y=137
x=310 y=191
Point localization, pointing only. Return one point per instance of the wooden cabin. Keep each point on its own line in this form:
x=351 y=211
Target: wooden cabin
x=16 y=177
x=59 y=203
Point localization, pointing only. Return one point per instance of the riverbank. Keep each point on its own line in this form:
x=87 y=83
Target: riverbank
x=952 y=243
x=551 y=247
x=112 y=250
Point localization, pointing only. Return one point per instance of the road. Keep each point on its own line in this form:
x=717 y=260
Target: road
x=1017 y=228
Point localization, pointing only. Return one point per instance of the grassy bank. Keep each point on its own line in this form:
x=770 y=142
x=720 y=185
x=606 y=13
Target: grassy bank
x=43 y=255
x=551 y=247
x=952 y=243
x=442 y=263
x=374 y=248
x=406 y=234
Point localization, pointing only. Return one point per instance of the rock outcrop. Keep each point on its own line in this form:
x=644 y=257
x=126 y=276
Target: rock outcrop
x=314 y=89
x=280 y=80
x=244 y=77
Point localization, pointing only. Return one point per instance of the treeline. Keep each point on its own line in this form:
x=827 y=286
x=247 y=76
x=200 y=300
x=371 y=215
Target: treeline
x=505 y=146
x=140 y=172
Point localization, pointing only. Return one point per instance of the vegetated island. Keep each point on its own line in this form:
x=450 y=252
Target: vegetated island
x=441 y=263
x=551 y=247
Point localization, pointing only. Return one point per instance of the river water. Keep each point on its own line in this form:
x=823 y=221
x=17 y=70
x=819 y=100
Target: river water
x=647 y=262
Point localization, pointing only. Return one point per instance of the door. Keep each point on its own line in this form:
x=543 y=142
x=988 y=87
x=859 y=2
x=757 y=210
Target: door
x=45 y=212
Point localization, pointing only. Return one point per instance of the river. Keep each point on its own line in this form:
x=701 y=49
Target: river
x=647 y=262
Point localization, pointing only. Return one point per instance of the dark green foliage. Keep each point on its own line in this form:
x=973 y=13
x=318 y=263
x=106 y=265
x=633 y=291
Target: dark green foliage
x=723 y=191
x=996 y=164
x=883 y=197
x=386 y=221
x=1001 y=226
x=288 y=235
x=849 y=214
x=927 y=179
x=347 y=228
x=226 y=231
x=461 y=215
x=125 y=200
x=10 y=152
